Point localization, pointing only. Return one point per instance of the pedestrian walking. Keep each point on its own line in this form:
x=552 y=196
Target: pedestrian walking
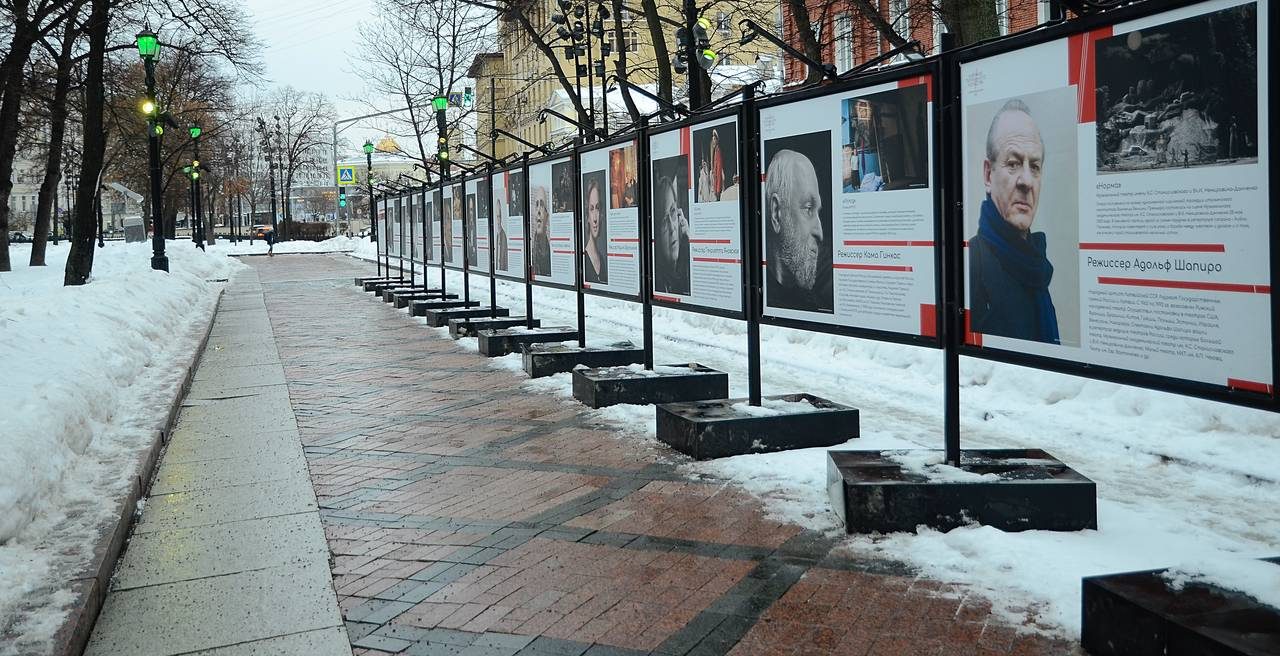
x=271 y=243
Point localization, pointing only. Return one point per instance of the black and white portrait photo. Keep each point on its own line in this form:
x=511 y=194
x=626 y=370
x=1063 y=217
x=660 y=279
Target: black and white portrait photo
x=595 y=256
x=501 y=262
x=446 y=229
x=469 y=230
x=671 y=225
x=540 y=229
x=796 y=201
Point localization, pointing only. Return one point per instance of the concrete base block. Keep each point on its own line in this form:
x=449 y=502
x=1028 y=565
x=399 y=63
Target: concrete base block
x=501 y=341
x=729 y=427
x=440 y=318
x=547 y=359
x=419 y=308
x=403 y=299
x=1008 y=489
x=459 y=328
x=1139 y=614
x=672 y=383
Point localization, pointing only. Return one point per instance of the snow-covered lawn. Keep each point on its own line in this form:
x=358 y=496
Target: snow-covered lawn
x=88 y=374
x=1181 y=482
x=259 y=247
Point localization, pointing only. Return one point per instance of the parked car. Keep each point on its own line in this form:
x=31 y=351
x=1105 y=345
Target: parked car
x=19 y=238
x=261 y=231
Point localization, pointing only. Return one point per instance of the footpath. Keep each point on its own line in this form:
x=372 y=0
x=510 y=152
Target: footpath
x=228 y=556
x=343 y=477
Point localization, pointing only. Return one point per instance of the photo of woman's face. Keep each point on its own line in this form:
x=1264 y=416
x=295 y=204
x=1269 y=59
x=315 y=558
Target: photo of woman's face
x=669 y=223
x=593 y=211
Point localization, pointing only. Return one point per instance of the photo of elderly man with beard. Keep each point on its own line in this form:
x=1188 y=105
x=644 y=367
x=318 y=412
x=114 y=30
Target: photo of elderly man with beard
x=540 y=227
x=797 y=223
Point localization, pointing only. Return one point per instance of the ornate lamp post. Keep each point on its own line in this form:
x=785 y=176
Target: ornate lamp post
x=197 y=229
x=373 y=213
x=148 y=49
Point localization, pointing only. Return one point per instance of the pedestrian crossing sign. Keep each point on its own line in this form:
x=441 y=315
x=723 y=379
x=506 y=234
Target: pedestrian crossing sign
x=346 y=176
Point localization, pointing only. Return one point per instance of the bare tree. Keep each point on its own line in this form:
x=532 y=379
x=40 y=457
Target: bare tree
x=84 y=221
x=427 y=50
x=303 y=120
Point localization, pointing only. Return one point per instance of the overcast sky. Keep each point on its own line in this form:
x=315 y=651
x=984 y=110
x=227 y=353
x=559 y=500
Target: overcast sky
x=307 y=45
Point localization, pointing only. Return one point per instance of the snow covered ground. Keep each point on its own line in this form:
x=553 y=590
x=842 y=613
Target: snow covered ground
x=259 y=247
x=1181 y=481
x=89 y=372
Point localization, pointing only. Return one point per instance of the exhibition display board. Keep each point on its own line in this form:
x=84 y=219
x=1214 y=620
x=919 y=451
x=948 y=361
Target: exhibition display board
x=477 y=228
x=552 y=249
x=393 y=218
x=381 y=223
x=609 y=210
x=435 y=254
x=1117 y=212
x=508 y=224
x=849 y=208
x=411 y=211
x=451 y=225
x=423 y=218
x=698 y=241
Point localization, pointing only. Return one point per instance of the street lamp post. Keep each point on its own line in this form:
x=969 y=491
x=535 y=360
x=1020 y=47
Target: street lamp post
x=265 y=143
x=148 y=49
x=440 y=104
x=368 y=178
x=197 y=229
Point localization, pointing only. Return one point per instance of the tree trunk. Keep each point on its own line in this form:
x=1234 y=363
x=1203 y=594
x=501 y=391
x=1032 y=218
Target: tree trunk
x=84 y=225
x=871 y=12
x=661 y=56
x=19 y=51
x=970 y=20
x=799 y=11
x=57 y=128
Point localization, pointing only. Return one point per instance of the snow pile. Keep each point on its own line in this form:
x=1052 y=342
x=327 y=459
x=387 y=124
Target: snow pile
x=259 y=246
x=89 y=373
x=1256 y=578
x=772 y=407
x=930 y=466
x=1179 y=479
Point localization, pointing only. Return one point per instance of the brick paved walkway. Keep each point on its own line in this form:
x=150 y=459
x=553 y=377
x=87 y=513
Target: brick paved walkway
x=468 y=516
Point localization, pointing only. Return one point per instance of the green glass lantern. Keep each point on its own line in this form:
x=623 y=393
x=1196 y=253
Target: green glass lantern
x=439 y=103
x=195 y=131
x=368 y=147
x=148 y=45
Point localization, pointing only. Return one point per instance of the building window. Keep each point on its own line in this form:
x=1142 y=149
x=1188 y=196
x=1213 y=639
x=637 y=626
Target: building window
x=900 y=16
x=630 y=41
x=844 y=43
x=723 y=25
x=1002 y=16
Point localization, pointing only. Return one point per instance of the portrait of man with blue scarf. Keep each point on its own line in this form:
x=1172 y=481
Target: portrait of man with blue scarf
x=1009 y=272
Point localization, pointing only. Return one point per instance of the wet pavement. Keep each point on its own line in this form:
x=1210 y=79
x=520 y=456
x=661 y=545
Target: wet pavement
x=464 y=514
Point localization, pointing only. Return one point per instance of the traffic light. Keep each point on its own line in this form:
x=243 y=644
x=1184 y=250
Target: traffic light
x=342 y=197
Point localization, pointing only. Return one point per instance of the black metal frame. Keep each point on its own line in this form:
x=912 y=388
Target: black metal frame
x=434 y=219
x=634 y=138
x=956 y=217
x=737 y=111
x=555 y=158
x=929 y=67
x=499 y=172
x=450 y=184
x=482 y=177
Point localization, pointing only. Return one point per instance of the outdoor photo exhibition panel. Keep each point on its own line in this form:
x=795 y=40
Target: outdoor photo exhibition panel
x=393 y=219
x=610 y=220
x=454 y=200
x=508 y=224
x=551 y=238
x=1116 y=199
x=697 y=235
x=435 y=253
x=411 y=214
x=422 y=216
x=381 y=227
x=478 y=225
x=849 y=210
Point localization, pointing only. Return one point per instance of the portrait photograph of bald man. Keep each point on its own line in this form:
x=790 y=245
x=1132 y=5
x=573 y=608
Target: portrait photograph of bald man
x=796 y=199
x=1022 y=218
